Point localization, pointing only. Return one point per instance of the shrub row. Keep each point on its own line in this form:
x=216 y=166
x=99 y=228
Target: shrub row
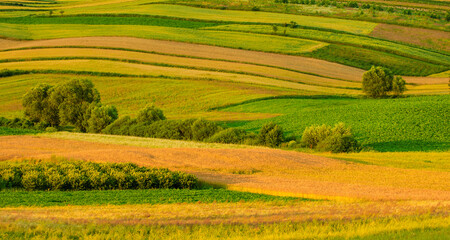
x=330 y=139
x=62 y=174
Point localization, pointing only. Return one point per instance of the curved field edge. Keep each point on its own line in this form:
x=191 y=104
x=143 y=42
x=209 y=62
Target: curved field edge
x=424 y=227
x=388 y=125
x=267 y=170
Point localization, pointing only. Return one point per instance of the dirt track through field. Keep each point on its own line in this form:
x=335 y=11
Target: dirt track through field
x=265 y=170
x=303 y=64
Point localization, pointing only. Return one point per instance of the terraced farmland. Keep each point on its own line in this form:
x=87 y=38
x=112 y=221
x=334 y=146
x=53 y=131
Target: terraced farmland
x=240 y=64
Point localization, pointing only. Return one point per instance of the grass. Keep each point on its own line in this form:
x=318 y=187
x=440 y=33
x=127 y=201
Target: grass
x=186 y=12
x=168 y=72
x=129 y=94
x=347 y=39
x=408 y=124
x=437 y=161
x=366 y=58
x=171 y=61
x=4 y=131
x=218 y=38
x=421 y=227
x=11 y=198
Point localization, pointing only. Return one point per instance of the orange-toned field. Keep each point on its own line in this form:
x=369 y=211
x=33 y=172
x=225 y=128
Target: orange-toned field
x=258 y=170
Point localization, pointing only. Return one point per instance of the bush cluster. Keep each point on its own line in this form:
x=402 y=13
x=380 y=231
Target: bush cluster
x=330 y=139
x=21 y=123
x=61 y=174
x=378 y=82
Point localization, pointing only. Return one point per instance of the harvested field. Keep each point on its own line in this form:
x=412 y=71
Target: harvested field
x=297 y=63
x=263 y=170
x=439 y=40
x=221 y=213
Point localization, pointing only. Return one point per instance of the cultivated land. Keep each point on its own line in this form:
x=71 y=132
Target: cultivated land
x=243 y=64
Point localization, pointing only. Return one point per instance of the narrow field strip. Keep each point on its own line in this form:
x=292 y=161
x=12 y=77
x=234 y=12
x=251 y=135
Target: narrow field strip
x=293 y=173
x=158 y=71
x=178 y=11
x=222 y=213
x=171 y=61
x=16 y=198
x=132 y=93
x=303 y=64
x=423 y=226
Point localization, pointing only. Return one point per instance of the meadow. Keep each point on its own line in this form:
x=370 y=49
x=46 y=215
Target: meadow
x=408 y=124
x=242 y=64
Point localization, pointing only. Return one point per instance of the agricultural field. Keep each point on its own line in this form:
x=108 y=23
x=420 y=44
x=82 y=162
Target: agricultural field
x=233 y=87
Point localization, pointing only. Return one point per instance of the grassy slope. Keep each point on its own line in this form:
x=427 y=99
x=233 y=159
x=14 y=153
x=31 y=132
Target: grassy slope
x=131 y=94
x=410 y=124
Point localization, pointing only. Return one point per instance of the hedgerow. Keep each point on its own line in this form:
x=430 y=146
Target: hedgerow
x=62 y=174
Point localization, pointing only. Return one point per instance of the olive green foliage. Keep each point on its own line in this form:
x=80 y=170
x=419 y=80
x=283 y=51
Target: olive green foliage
x=65 y=103
x=37 y=107
x=379 y=81
x=98 y=116
x=398 y=86
x=203 y=129
x=150 y=114
x=330 y=139
x=72 y=99
x=230 y=135
x=61 y=174
x=271 y=135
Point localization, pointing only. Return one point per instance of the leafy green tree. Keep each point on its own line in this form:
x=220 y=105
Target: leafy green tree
x=377 y=82
x=398 y=86
x=150 y=114
x=98 y=116
x=271 y=135
x=203 y=129
x=72 y=99
x=37 y=107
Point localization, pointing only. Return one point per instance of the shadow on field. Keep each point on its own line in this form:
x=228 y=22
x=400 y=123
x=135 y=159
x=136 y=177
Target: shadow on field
x=410 y=146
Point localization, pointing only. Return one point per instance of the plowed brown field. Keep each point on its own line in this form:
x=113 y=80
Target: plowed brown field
x=264 y=170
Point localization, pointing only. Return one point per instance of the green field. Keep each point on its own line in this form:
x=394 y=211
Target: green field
x=405 y=124
x=241 y=64
x=10 y=198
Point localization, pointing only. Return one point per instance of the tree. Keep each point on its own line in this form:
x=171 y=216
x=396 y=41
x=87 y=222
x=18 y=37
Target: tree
x=377 y=82
x=271 y=135
x=98 y=116
x=150 y=114
x=37 y=107
x=72 y=99
x=398 y=86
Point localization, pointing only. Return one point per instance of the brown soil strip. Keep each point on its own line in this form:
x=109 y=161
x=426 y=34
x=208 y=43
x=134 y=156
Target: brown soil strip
x=271 y=170
x=434 y=39
x=298 y=63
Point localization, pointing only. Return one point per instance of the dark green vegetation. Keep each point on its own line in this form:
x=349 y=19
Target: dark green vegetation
x=120 y=197
x=75 y=102
x=379 y=81
x=330 y=139
x=5 y=131
x=80 y=175
x=403 y=124
x=111 y=20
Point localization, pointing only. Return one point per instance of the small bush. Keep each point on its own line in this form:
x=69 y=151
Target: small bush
x=150 y=114
x=203 y=129
x=325 y=138
x=51 y=129
x=230 y=135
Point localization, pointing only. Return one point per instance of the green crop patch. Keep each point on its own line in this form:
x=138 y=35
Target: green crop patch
x=110 y=20
x=121 y=197
x=404 y=124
